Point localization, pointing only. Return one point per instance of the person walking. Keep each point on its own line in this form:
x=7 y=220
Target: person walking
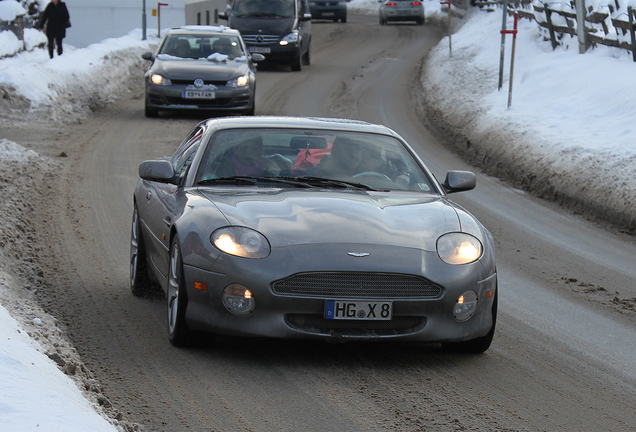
x=57 y=19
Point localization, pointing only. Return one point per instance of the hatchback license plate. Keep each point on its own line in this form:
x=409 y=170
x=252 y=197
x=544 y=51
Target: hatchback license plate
x=358 y=310
x=198 y=94
x=259 y=50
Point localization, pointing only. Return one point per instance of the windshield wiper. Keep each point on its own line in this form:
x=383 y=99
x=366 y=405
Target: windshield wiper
x=303 y=181
x=262 y=14
x=253 y=180
x=333 y=183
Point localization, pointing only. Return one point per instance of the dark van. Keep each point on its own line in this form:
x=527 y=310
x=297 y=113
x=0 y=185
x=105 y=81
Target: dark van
x=278 y=29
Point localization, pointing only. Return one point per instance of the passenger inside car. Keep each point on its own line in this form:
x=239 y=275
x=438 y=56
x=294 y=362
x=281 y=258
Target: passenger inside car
x=225 y=46
x=246 y=159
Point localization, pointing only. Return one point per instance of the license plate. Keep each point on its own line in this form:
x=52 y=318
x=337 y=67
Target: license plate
x=358 y=310
x=327 y=14
x=198 y=94
x=259 y=50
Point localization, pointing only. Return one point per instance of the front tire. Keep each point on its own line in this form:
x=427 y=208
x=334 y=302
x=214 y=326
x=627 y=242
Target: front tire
x=296 y=65
x=139 y=281
x=150 y=112
x=480 y=344
x=178 y=332
x=306 y=58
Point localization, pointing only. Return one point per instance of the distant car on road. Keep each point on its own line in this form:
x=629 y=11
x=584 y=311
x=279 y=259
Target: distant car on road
x=278 y=29
x=319 y=229
x=201 y=68
x=333 y=10
x=401 y=10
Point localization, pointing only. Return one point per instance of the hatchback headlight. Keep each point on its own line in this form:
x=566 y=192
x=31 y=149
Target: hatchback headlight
x=293 y=37
x=238 y=81
x=459 y=248
x=241 y=241
x=157 y=79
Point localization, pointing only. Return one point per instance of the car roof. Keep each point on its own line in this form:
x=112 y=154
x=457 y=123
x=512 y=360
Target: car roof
x=190 y=29
x=298 y=122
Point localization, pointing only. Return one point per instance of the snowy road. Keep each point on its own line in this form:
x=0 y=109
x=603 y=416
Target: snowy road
x=562 y=358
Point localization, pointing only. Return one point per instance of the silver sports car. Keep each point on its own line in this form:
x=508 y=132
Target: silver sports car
x=311 y=228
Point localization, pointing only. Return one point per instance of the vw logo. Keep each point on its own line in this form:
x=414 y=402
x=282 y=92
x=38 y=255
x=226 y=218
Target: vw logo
x=198 y=82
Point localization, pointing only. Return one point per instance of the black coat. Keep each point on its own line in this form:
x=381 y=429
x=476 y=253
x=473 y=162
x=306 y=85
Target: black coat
x=55 y=17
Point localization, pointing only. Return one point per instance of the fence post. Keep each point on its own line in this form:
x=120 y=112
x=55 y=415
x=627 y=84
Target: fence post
x=581 y=31
x=548 y=18
x=632 y=19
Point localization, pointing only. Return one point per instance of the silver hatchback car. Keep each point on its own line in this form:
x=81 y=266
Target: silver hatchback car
x=201 y=68
x=401 y=10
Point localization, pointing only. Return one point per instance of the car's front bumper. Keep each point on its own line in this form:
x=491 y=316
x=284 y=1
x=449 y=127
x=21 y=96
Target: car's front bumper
x=295 y=315
x=226 y=98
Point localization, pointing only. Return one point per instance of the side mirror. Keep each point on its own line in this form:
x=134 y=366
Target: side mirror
x=148 y=56
x=156 y=170
x=306 y=17
x=256 y=57
x=222 y=15
x=459 y=181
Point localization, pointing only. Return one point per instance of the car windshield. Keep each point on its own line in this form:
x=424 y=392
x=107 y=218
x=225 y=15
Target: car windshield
x=264 y=8
x=310 y=158
x=201 y=46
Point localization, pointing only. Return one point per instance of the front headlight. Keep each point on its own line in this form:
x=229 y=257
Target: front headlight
x=157 y=79
x=238 y=82
x=459 y=248
x=240 y=241
x=293 y=37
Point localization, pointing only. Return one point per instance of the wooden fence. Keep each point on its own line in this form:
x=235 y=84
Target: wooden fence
x=614 y=27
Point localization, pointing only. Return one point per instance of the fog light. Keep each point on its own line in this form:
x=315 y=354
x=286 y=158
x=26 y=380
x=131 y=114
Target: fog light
x=466 y=306
x=238 y=300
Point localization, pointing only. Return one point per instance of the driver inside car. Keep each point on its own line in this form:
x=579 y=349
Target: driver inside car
x=350 y=158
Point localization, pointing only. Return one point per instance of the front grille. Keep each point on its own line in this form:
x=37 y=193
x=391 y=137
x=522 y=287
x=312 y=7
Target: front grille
x=260 y=39
x=199 y=102
x=320 y=325
x=206 y=82
x=361 y=285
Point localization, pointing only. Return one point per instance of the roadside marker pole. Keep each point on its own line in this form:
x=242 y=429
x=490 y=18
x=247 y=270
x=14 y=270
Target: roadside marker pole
x=450 y=44
x=512 y=59
x=143 y=20
x=159 y=17
x=503 y=43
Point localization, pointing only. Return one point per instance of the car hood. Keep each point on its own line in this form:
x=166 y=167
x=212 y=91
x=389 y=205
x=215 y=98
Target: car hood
x=205 y=69
x=265 y=26
x=292 y=218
